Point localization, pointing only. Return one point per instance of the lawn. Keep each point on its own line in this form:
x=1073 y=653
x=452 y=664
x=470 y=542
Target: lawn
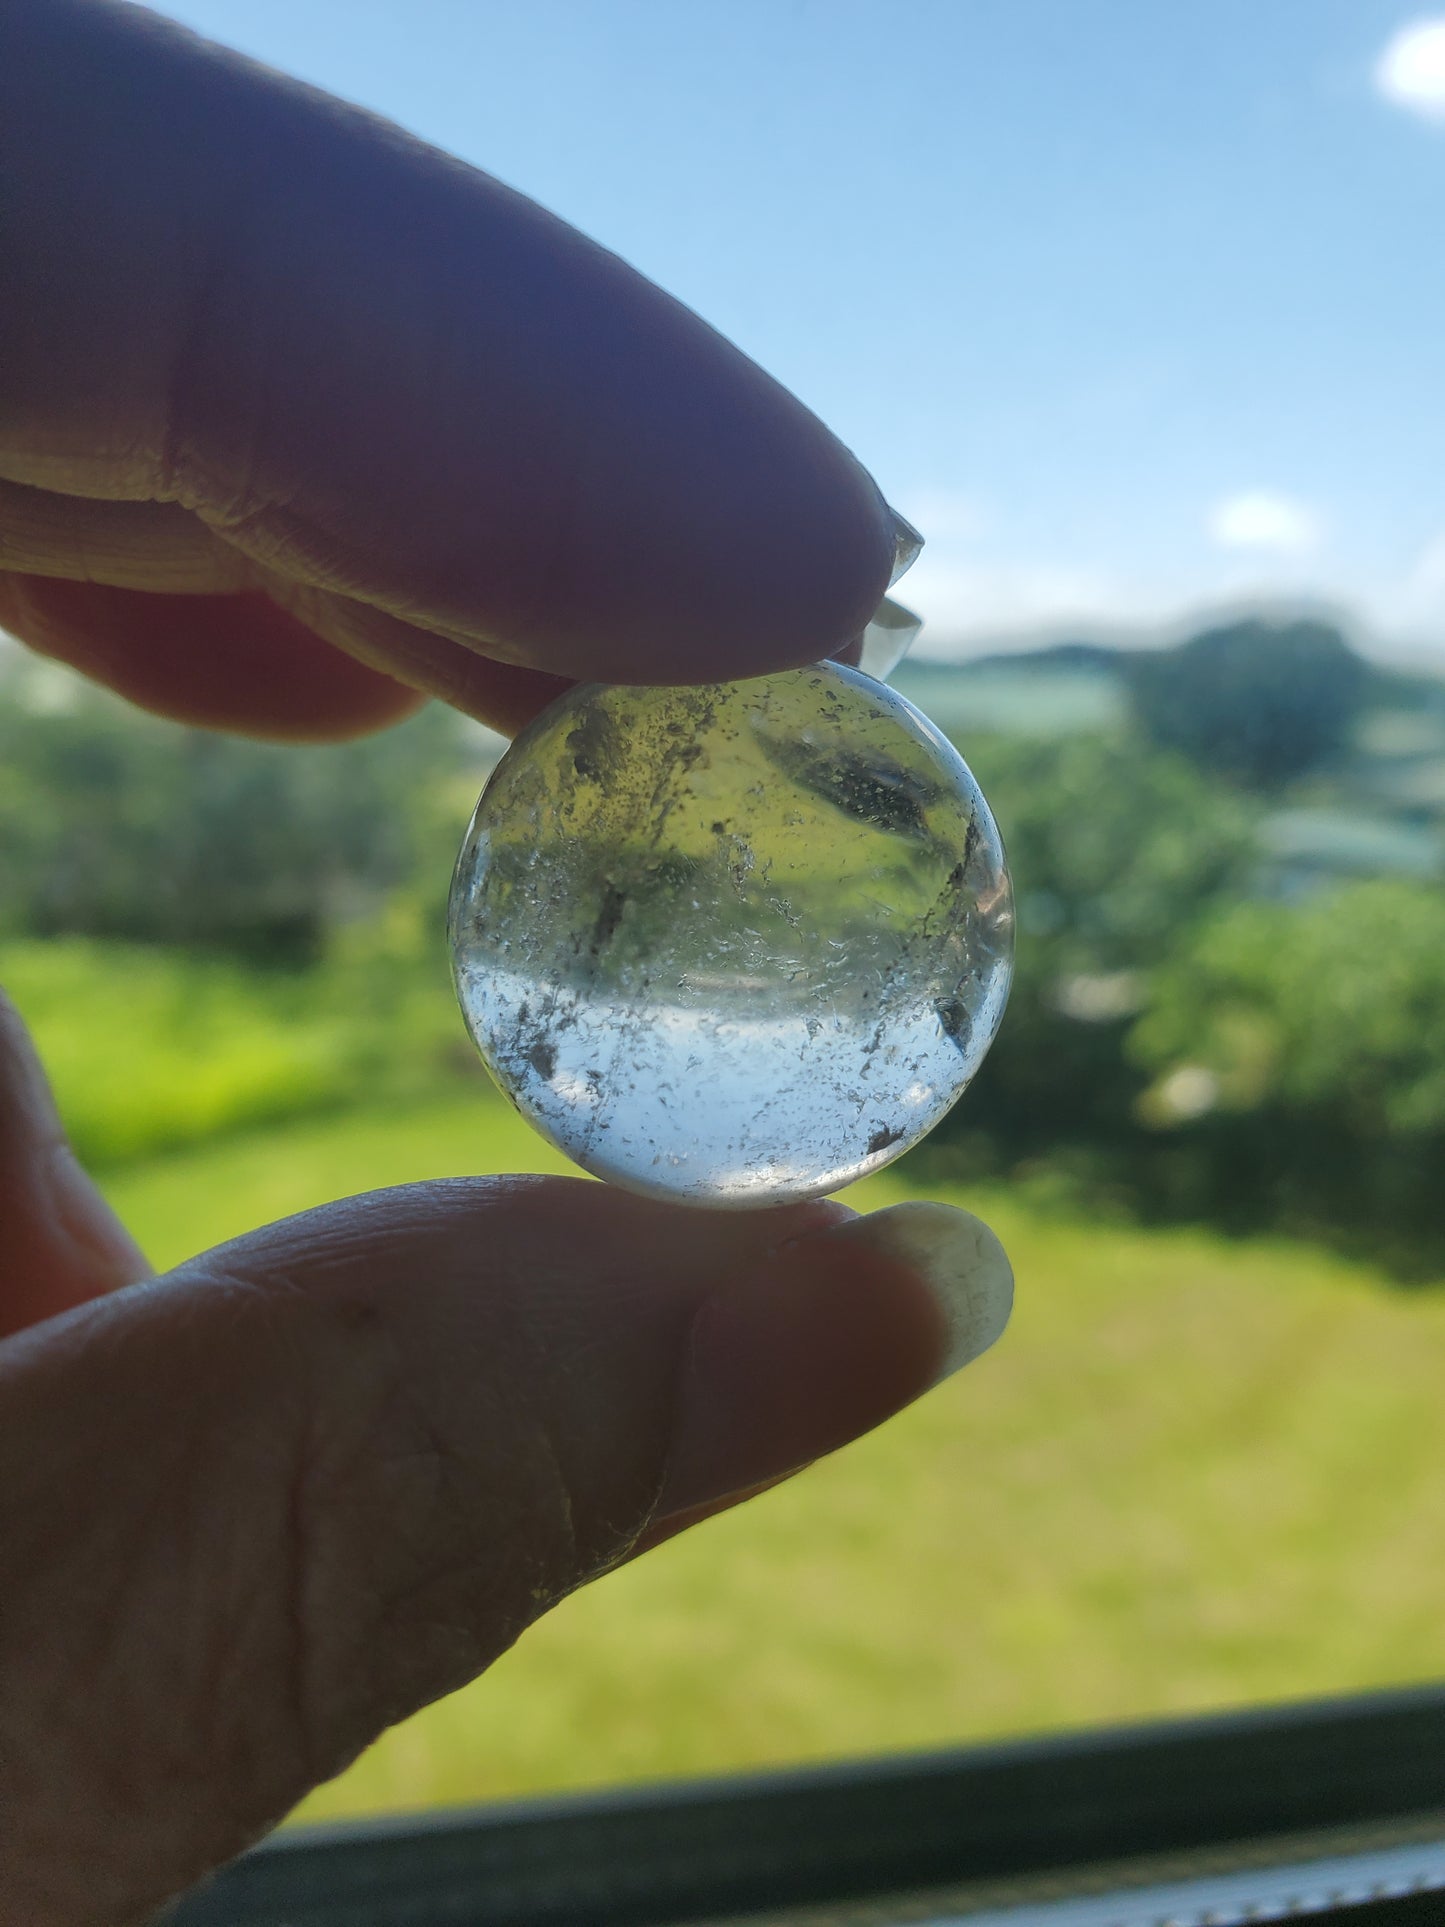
x=1193 y=1474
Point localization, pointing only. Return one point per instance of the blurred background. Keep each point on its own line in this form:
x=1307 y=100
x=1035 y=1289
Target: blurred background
x=1136 y=311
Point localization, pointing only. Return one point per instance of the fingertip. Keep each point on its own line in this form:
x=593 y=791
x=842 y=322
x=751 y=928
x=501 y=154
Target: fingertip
x=829 y=1338
x=838 y=1330
x=778 y=551
x=958 y=1258
x=227 y=662
x=61 y=1245
x=401 y=382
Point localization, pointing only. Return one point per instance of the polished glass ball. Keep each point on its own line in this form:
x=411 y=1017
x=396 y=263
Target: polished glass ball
x=737 y=944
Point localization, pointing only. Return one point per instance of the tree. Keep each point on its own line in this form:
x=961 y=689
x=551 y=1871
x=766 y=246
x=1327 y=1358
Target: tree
x=1259 y=701
x=1331 y=1012
x=116 y=824
x=1116 y=852
x=1316 y=1035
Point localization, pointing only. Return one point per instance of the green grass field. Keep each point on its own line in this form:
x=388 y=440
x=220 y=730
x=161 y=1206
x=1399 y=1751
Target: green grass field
x=1193 y=1474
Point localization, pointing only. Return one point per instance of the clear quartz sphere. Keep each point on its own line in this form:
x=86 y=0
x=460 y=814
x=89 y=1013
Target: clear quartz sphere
x=737 y=944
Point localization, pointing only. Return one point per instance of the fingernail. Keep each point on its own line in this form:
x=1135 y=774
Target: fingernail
x=835 y=1333
x=907 y=543
x=958 y=1258
x=888 y=639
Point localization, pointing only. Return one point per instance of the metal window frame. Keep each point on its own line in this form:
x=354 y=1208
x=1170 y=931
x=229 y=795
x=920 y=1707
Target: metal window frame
x=1257 y=1787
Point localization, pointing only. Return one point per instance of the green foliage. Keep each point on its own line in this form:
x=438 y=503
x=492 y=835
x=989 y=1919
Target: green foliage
x=1114 y=848
x=1333 y=1010
x=1309 y=1044
x=209 y=936
x=148 y=1049
x=1260 y=701
x=116 y=824
x=1176 y=1047
x=1115 y=851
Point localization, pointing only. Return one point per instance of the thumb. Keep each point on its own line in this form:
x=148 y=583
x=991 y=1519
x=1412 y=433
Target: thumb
x=60 y=1243
x=254 y=1511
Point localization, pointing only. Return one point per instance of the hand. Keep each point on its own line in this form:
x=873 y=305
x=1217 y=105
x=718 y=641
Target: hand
x=297 y=419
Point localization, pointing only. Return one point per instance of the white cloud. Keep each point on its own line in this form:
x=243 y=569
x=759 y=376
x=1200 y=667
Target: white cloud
x=1411 y=70
x=1263 y=522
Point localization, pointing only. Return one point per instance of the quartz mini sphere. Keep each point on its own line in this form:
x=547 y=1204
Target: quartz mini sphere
x=737 y=944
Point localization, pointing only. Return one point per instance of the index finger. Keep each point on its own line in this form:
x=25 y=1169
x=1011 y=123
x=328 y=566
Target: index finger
x=379 y=373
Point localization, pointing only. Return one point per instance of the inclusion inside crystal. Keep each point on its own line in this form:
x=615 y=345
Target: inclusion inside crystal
x=737 y=944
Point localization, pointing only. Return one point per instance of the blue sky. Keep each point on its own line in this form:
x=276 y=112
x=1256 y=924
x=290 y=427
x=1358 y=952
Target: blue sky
x=1134 y=305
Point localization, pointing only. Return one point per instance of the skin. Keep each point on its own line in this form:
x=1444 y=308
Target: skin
x=300 y=421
